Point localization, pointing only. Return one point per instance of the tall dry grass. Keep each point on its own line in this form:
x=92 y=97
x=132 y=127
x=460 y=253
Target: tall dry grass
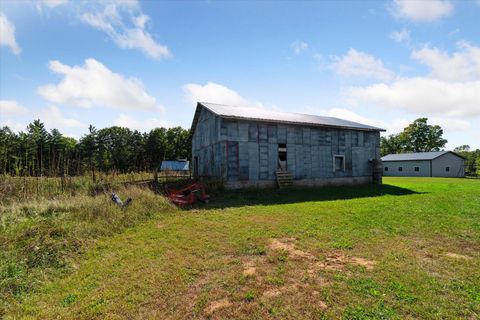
x=41 y=236
x=22 y=188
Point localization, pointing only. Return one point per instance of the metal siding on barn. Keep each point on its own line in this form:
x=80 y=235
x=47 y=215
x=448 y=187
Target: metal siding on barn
x=240 y=150
x=306 y=136
x=263 y=154
x=262 y=133
x=232 y=130
x=328 y=138
x=454 y=162
x=327 y=161
x=253 y=161
x=272 y=160
x=299 y=172
x=243 y=162
x=272 y=134
x=291 y=135
x=243 y=132
x=232 y=160
x=252 y=132
x=291 y=158
x=298 y=135
x=307 y=161
x=315 y=156
x=281 y=134
x=408 y=168
x=360 y=139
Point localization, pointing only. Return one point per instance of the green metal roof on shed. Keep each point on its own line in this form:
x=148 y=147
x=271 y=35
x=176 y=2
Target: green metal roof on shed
x=416 y=156
x=258 y=114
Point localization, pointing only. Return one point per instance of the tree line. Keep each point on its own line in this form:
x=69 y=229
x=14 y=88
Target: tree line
x=419 y=136
x=39 y=152
x=472 y=159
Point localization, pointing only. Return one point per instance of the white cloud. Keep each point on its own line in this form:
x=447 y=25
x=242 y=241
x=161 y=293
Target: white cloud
x=11 y=107
x=13 y=125
x=142 y=125
x=53 y=118
x=93 y=84
x=7 y=35
x=402 y=36
x=51 y=3
x=450 y=124
x=421 y=94
x=216 y=93
x=125 y=24
x=392 y=127
x=421 y=11
x=360 y=64
x=298 y=47
x=463 y=65
x=451 y=89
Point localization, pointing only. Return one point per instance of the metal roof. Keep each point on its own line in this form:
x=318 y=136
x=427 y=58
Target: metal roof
x=416 y=156
x=258 y=114
x=175 y=165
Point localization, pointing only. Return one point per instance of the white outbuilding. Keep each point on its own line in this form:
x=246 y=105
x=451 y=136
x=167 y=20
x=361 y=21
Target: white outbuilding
x=424 y=164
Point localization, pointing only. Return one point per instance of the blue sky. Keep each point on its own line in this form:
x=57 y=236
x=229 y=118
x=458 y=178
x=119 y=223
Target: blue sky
x=144 y=64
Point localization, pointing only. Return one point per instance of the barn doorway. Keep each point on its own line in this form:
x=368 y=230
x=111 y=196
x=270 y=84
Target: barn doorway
x=282 y=157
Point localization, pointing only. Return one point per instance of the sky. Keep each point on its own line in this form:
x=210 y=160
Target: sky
x=145 y=64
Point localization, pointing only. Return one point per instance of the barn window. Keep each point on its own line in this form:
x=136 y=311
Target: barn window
x=416 y=169
x=386 y=168
x=400 y=169
x=339 y=163
x=447 y=169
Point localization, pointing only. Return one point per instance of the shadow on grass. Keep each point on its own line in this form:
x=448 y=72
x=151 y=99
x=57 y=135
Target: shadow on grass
x=251 y=197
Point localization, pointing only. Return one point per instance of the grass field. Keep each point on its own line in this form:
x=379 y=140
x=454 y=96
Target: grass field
x=413 y=252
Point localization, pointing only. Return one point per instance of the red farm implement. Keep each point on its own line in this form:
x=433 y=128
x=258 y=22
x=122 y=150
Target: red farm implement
x=188 y=195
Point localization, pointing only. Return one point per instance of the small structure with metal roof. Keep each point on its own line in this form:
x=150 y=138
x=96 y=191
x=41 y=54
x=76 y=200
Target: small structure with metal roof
x=255 y=147
x=424 y=164
x=181 y=165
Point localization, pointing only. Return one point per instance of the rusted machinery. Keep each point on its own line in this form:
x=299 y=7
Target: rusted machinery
x=188 y=195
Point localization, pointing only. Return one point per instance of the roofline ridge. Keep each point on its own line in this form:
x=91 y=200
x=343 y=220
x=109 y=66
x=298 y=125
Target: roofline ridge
x=205 y=105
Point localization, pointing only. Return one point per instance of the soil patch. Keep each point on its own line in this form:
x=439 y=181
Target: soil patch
x=288 y=244
x=249 y=268
x=368 y=264
x=217 y=305
x=457 y=256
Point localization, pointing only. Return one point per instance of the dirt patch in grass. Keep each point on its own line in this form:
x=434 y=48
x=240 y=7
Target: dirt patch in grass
x=217 y=305
x=338 y=262
x=272 y=293
x=368 y=264
x=457 y=256
x=249 y=268
x=288 y=244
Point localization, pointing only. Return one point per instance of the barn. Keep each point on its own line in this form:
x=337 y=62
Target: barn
x=253 y=147
x=424 y=164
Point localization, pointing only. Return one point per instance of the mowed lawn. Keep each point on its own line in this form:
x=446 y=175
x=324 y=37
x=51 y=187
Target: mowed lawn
x=411 y=253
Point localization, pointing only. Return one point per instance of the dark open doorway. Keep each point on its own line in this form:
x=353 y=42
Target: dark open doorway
x=282 y=157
